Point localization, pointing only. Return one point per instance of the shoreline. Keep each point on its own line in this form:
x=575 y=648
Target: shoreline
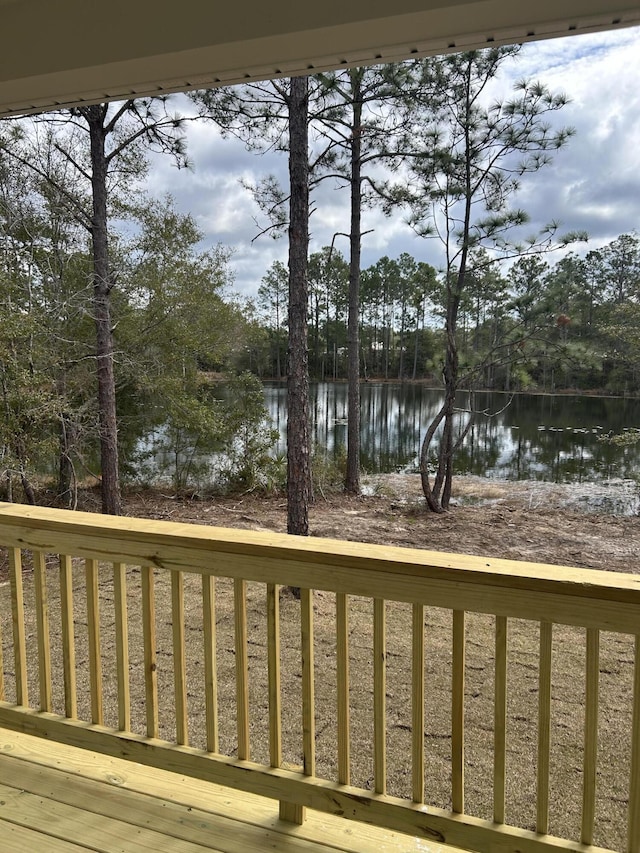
x=602 y=394
x=617 y=497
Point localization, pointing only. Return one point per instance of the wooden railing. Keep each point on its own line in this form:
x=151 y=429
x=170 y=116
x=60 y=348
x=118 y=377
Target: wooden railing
x=446 y=684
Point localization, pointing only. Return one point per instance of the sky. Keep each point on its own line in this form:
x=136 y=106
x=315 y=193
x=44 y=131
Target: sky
x=593 y=183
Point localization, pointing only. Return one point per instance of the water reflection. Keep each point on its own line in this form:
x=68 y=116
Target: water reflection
x=535 y=436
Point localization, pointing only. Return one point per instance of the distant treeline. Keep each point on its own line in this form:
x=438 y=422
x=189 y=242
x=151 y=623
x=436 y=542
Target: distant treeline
x=535 y=325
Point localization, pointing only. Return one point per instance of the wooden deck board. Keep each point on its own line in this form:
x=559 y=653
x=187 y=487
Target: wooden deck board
x=19 y=839
x=67 y=800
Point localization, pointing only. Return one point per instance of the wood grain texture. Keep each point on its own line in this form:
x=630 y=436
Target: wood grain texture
x=93 y=630
x=590 y=759
x=585 y=597
x=432 y=825
x=292 y=813
x=633 y=841
x=500 y=720
x=122 y=646
x=149 y=642
x=176 y=805
x=379 y=696
x=457 y=711
x=379 y=573
x=273 y=665
x=210 y=665
x=22 y=839
x=91 y=830
x=308 y=683
x=417 y=703
x=342 y=689
x=242 y=668
x=68 y=637
x=179 y=658
x=544 y=727
x=17 y=621
x=42 y=629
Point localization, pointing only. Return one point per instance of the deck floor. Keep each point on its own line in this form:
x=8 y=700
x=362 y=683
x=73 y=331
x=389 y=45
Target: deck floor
x=57 y=799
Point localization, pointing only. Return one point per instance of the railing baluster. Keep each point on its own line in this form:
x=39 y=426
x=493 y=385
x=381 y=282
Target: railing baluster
x=308 y=684
x=379 y=696
x=291 y=812
x=342 y=676
x=273 y=664
x=242 y=667
x=93 y=629
x=210 y=672
x=2 y=694
x=42 y=628
x=500 y=720
x=633 y=841
x=417 y=703
x=17 y=618
x=150 y=661
x=122 y=646
x=179 y=658
x=457 y=712
x=590 y=736
x=68 y=639
x=544 y=727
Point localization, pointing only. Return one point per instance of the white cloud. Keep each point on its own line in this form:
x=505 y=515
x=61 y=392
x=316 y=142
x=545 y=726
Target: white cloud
x=593 y=184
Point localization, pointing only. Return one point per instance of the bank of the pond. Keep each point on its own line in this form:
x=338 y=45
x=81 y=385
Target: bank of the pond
x=558 y=438
x=527 y=520
x=612 y=497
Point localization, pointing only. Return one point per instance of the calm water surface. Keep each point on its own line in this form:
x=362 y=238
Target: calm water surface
x=527 y=436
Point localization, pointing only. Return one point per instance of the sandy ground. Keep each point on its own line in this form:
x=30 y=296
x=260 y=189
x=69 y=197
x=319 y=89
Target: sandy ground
x=578 y=525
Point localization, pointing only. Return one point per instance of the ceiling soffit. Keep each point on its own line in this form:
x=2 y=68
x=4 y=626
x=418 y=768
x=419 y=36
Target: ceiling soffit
x=64 y=53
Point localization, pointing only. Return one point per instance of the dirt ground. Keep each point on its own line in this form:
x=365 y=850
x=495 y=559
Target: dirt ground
x=541 y=522
x=527 y=521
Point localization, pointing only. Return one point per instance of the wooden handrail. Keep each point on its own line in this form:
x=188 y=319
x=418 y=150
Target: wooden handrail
x=82 y=543
x=572 y=596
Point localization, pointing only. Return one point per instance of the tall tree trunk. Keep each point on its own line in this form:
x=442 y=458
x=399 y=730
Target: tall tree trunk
x=438 y=495
x=352 y=479
x=416 y=344
x=299 y=488
x=278 y=336
x=387 y=338
x=403 y=319
x=27 y=488
x=66 y=475
x=316 y=333
x=102 y=285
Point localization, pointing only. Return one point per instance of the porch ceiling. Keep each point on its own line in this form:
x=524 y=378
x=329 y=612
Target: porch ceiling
x=69 y=51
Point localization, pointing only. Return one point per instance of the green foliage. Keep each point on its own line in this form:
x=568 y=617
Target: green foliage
x=219 y=440
x=328 y=471
x=273 y=299
x=174 y=451
x=174 y=323
x=248 y=464
x=45 y=364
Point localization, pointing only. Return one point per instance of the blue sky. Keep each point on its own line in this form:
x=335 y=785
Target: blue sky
x=593 y=184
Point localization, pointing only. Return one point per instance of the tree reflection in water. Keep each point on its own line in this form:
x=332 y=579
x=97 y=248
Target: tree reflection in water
x=535 y=437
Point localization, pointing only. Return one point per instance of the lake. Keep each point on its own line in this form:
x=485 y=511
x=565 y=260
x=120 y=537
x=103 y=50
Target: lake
x=524 y=436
